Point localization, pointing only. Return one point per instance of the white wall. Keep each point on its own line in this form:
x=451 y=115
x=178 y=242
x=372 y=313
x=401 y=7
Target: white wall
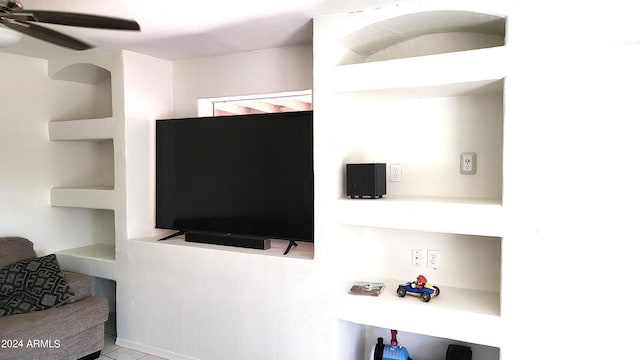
x=148 y=96
x=31 y=164
x=570 y=259
x=425 y=137
x=257 y=72
x=194 y=302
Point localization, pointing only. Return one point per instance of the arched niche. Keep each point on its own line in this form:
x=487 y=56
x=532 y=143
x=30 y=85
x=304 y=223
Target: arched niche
x=425 y=33
x=82 y=91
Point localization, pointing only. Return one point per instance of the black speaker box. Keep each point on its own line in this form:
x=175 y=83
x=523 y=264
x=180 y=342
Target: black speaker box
x=245 y=241
x=366 y=180
x=458 y=352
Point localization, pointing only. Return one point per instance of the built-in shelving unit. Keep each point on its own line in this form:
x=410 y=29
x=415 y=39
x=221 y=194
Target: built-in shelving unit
x=416 y=87
x=89 y=124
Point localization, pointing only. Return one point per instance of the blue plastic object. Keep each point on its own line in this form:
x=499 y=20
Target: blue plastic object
x=394 y=351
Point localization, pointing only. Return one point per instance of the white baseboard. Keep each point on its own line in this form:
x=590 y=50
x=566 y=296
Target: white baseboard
x=152 y=350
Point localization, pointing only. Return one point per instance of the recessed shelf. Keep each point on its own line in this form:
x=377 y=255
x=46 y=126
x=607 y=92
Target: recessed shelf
x=88 y=85
x=422 y=213
x=450 y=74
x=105 y=252
x=443 y=316
x=82 y=130
x=95 y=260
x=419 y=345
x=92 y=197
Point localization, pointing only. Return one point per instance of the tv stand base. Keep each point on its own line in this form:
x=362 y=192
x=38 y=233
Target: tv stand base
x=291 y=244
x=171 y=236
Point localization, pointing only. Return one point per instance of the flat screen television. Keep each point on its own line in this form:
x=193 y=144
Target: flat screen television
x=236 y=180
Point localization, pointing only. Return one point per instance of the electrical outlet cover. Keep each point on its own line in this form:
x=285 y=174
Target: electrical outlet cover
x=468 y=163
x=395 y=173
x=416 y=257
x=433 y=258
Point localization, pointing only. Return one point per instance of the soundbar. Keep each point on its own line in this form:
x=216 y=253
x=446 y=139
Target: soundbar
x=245 y=241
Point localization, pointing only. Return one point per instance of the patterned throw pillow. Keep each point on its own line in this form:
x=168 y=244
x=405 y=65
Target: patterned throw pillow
x=32 y=285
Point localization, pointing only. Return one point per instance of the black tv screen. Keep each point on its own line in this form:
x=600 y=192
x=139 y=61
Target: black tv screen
x=244 y=175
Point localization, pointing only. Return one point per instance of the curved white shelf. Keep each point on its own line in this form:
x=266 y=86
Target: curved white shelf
x=82 y=130
x=462 y=314
x=95 y=260
x=94 y=197
x=444 y=215
x=441 y=75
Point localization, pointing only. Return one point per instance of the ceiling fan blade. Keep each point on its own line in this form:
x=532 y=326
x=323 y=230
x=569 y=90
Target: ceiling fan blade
x=45 y=34
x=74 y=19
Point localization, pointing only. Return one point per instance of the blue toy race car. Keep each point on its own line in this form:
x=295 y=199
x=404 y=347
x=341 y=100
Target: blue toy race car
x=420 y=288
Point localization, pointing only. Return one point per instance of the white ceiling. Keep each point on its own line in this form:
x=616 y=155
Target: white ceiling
x=175 y=30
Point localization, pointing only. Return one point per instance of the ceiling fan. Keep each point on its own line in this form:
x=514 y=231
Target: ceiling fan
x=15 y=17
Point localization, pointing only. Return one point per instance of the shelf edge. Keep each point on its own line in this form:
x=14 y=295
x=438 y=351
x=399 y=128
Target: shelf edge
x=83 y=197
x=99 y=129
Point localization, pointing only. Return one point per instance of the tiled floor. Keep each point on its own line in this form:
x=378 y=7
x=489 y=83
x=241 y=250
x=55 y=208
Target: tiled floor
x=112 y=351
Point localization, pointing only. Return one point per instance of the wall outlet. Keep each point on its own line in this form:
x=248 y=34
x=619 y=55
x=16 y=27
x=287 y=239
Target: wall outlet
x=433 y=258
x=468 y=163
x=416 y=257
x=395 y=172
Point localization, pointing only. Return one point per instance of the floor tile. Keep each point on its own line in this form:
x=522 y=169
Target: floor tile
x=125 y=354
x=152 y=357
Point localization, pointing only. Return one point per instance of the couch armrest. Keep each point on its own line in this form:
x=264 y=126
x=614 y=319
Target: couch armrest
x=64 y=324
x=79 y=283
